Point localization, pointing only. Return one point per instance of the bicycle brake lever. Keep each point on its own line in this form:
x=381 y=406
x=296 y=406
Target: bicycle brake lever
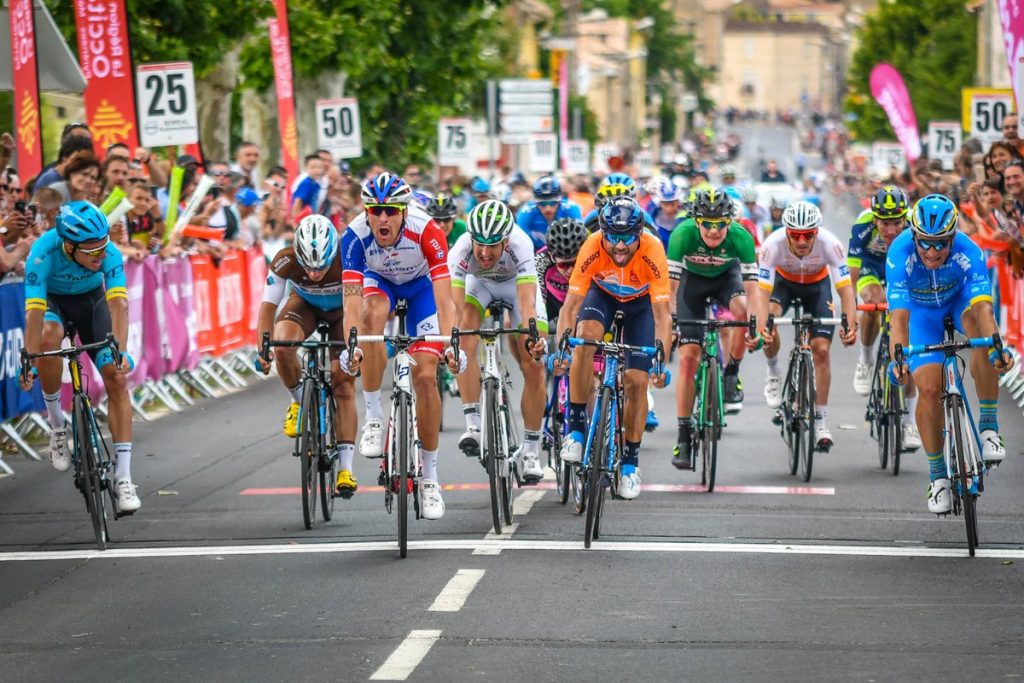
x=353 y=339
x=770 y=325
x=845 y=324
x=534 y=336
x=752 y=327
x=115 y=351
x=265 y=347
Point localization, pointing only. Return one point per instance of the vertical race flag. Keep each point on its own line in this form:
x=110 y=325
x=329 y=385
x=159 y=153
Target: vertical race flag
x=1011 y=16
x=26 y=88
x=281 y=49
x=105 y=54
x=890 y=92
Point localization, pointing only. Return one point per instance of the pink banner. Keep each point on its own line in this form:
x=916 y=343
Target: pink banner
x=26 y=88
x=281 y=52
x=1011 y=15
x=152 y=319
x=179 y=309
x=890 y=92
x=134 y=273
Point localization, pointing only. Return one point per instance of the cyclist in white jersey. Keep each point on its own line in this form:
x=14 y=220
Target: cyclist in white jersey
x=795 y=263
x=493 y=261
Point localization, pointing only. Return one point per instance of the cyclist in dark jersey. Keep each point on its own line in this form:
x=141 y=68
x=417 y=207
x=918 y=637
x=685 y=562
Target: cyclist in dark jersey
x=556 y=261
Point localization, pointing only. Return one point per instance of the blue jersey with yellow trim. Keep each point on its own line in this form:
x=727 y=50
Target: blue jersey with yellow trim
x=49 y=269
x=910 y=283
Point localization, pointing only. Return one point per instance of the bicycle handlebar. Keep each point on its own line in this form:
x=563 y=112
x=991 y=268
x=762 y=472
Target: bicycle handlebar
x=715 y=323
x=949 y=347
x=872 y=308
x=71 y=352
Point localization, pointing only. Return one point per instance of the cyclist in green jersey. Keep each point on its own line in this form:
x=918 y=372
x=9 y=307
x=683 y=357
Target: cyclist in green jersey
x=709 y=256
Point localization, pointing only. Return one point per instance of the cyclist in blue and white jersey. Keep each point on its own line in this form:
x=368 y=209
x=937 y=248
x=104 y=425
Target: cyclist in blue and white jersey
x=934 y=271
x=666 y=213
x=548 y=205
x=75 y=275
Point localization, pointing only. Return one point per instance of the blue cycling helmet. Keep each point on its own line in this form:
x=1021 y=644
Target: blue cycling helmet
x=80 y=222
x=480 y=186
x=934 y=217
x=621 y=215
x=733 y=192
x=667 y=191
x=386 y=188
x=547 y=187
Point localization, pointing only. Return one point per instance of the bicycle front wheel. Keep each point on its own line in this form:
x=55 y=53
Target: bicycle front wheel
x=806 y=418
x=597 y=465
x=307 y=442
x=961 y=481
x=712 y=426
x=328 y=462
x=894 y=427
x=403 y=446
x=556 y=431
x=511 y=443
x=791 y=415
x=492 y=439
x=91 y=481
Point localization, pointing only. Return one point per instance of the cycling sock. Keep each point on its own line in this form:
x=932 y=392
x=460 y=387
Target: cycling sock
x=773 y=366
x=733 y=366
x=472 y=413
x=123 y=466
x=531 y=443
x=578 y=417
x=650 y=400
x=631 y=457
x=988 y=417
x=346 y=451
x=936 y=465
x=908 y=418
x=867 y=353
x=53 y=410
x=684 y=428
x=373 y=409
x=821 y=413
x=429 y=461
x=295 y=392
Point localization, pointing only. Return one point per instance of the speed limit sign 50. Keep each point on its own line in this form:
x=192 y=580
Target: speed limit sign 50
x=166 y=95
x=338 y=127
x=984 y=110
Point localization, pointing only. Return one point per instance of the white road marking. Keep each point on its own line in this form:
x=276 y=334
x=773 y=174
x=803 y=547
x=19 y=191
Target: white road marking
x=453 y=596
x=526 y=500
x=521 y=505
x=407 y=656
x=502 y=543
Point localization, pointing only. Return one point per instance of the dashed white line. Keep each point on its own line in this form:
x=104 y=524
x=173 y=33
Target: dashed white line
x=453 y=596
x=407 y=656
x=526 y=500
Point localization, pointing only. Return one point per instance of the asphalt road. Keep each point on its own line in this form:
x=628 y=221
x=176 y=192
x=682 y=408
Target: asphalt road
x=846 y=578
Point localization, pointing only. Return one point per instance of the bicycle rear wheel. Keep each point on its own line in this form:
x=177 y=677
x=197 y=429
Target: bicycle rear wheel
x=489 y=399
x=894 y=427
x=879 y=418
x=307 y=442
x=711 y=426
x=578 y=488
x=92 y=484
x=806 y=417
x=961 y=484
x=596 y=466
x=328 y=463
x=403 y=445
x=556 y=430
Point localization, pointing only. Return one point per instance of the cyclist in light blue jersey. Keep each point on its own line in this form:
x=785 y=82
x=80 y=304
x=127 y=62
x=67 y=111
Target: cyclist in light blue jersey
x=667 y=214
x=548 y=205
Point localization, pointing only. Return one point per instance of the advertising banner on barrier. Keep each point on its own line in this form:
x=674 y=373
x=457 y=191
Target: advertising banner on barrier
x=257 y=265
x=153 y=322
x=181 y=349
x=232 y=315
x=14 y=401
x=204 y=303
x=134 y=274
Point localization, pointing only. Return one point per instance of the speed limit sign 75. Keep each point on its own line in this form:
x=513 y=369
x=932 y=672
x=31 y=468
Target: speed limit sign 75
x=944 y=141
x=166 y=104
x=454 y=146
x=338 y=127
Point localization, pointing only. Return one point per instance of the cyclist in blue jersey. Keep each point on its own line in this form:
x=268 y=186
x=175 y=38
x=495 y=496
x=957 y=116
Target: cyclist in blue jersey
x=313 y=267
x=548 y=205
x=933 y=271
x=74 y=275
x=667 y=213
x=870 y=238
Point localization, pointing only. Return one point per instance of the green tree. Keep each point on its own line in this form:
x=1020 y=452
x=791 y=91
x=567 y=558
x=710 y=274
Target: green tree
x=933 y=45
x=409 y=63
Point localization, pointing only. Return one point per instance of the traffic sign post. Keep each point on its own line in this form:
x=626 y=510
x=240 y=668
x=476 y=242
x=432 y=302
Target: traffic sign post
x=577 y=157
x=454 y=142
x=166 y=103
x=338 y=127
x=944 y=141
x=543 y=156
x=603 y=151
x=886 y=155
x=644 y=160
x=983 y=111
x=525 y=106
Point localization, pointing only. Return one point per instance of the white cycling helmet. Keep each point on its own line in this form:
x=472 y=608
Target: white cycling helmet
x=490 y=222
x=316 y=242
x=801 y=217
x=386 y=188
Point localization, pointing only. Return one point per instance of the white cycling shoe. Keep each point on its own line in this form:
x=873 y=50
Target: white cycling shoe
x=371 y=445
x=431 y=503
x=862 y=378
x=992 y=449
x=911 y=437
x=940 y=498
x=572 y=448
x=531 y=470
x=125 y=497
x=822 y=437
x=629 y=486
x=773 y=392
x=469 y=442
x=60 y=455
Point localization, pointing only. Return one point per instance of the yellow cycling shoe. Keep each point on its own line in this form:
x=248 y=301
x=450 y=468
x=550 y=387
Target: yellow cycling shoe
x=291 y=421
x=346 y=484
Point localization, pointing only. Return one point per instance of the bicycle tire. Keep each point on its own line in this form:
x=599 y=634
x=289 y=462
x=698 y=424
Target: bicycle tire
x=507 y=425
x=556 y=427
x=807 y=416
x=488 y=399
x=895 y=425
x=328 y=475
x=598 y=458
x=578 y=488
x=790 y=415
x=712 y=426
x=879 y=421
x=306 y=443
x=92 y=485
x=441 y=391
x=960 y=486
x=404 y=444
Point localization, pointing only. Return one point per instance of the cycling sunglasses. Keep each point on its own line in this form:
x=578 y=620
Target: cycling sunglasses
x=713 y=224
x=621 y=238
x=385 y=209
x=94 y=253
x=548 y=203
x=801 y=235
x=566 y=264
x=936 y=245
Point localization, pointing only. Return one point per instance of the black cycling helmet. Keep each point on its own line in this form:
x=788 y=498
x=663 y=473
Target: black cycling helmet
x=565 y=237
x=621 y=215
x=711 y=204
x=889 y=202
x=442 y=206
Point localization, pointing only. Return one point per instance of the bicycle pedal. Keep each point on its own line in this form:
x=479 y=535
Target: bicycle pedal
x=345 y=493
x=777 y=419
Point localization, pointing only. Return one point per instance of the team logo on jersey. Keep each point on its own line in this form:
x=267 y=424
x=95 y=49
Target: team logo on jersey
x=764 y=273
